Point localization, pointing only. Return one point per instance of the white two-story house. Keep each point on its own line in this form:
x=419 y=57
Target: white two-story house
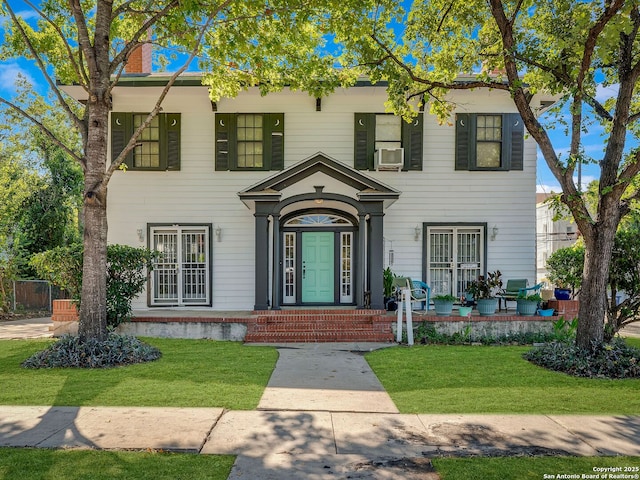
x=262 y=202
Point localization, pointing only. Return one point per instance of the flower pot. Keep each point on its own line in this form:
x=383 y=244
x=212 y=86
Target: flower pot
x=443 y=307
x=527 y=308
x=465 y=311
x=487 y=306
x=562 y=294
x=547 y=312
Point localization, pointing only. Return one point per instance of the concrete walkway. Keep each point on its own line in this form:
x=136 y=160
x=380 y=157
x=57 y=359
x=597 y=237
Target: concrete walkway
x=25 y=328
x=326 y=376
x=323 y=415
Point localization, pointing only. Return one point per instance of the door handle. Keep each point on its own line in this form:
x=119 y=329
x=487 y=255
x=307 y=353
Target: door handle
x=304 y=270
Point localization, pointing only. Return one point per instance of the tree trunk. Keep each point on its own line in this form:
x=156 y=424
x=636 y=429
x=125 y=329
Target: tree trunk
x=93 y=303
x=598 y=252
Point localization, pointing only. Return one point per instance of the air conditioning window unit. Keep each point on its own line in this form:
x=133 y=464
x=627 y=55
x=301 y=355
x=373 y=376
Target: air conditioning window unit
x=390 y=159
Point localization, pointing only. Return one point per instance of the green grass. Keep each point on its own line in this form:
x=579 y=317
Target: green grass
x=478 y=379
x=191 y=373
x=521 y=468
x=28 y=464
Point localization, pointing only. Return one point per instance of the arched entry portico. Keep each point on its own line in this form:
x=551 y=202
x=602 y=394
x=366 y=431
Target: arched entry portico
x=318 y=251
x=355 y=203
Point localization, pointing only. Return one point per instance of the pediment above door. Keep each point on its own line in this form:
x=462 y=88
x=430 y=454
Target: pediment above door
x=305 y=175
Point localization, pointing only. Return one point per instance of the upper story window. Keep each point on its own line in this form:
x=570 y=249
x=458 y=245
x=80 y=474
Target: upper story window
x=374 y=132
x=249 y=141
x=388 y=131
x=147 y=153
x=157 y=147
x=489 y=141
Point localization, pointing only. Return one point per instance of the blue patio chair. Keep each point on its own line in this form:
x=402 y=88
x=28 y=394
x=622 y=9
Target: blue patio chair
x=421 y=292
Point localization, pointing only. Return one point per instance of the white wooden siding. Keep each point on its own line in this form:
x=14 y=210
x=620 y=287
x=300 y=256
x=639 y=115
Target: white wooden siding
x=198 y=194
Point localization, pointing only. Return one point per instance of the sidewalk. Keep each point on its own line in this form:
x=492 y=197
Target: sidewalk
x=295 y=444
x=323 y=415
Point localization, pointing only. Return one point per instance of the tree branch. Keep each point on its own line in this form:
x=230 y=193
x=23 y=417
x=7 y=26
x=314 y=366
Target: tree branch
x=444 y=15
x=80 y=72
x=628 y=77
x=535 y=129
x=44 y=130
x=450 y=86
x=135 y=42
x=115 y=164
x=84 y=39
x=72 y=116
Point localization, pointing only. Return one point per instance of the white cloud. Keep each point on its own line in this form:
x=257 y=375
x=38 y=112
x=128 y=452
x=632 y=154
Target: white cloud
x=9 y=73
x=548 y=188
x=603 y=93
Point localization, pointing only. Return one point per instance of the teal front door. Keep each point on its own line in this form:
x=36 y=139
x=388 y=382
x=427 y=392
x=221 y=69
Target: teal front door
x=318 y=267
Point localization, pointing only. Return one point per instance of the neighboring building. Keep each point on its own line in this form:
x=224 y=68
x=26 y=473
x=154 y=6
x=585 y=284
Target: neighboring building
x=551 y=234
x=286 y=200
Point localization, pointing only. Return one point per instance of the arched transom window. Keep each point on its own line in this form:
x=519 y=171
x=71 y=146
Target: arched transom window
x=317 y=220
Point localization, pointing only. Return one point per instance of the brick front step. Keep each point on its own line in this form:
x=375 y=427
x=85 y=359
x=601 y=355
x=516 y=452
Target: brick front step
x=323 y=326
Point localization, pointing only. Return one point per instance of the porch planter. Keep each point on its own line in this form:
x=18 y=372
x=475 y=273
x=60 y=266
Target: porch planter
x=566 y=308
x=465 y=311
x=527 y=308
x=443 y=307
x=487 y=306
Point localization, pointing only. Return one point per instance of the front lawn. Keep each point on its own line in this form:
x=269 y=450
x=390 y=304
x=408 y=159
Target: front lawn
x=480 y=379
x=521 y=468
x=191 y=373
x=28 y=463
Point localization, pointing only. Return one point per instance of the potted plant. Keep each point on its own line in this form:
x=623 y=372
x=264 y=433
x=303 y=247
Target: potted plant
x=483 y=291
x=565 y=271
x=387 y=283
x=528 y=304
x=443 y=304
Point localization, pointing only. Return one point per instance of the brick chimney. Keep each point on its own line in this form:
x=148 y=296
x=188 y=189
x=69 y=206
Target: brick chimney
x=139 y=60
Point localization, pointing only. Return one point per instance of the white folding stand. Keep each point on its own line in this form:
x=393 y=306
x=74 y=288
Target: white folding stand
x=405 y=303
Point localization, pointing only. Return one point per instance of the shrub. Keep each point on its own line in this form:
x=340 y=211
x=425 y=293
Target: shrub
x=116 y=350
x=126 y=275
x=426 y=333
x=7 y=276
x=61 y=266
x=605 y=360
x=565 y=267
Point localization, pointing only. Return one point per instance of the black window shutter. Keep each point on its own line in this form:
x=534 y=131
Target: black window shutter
x=364 y=145
x=121 y=131
x=513 y=142
x=274 y=140
x=171 y=153
x=224 y=140
x=465 y=148
x=412 y=143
